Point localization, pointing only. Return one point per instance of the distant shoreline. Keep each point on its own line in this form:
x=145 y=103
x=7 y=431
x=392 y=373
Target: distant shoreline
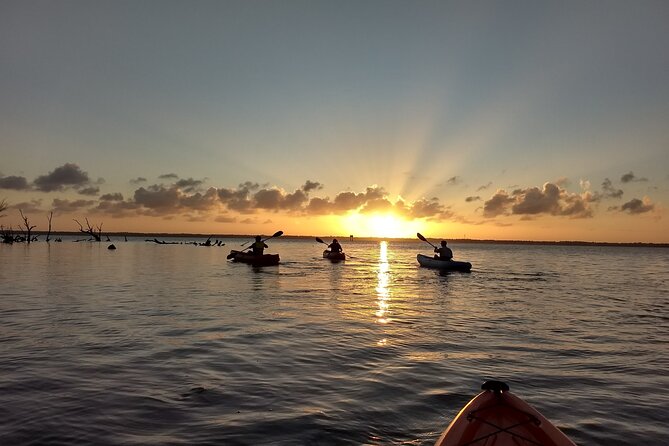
x=345 y=238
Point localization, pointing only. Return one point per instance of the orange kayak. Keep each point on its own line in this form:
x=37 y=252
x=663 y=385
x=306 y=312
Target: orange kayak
x=498 y=417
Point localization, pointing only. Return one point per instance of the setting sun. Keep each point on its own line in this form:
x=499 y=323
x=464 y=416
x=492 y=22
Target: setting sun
x=381 y=225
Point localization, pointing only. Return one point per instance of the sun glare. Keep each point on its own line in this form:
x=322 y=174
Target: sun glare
x=381 y=226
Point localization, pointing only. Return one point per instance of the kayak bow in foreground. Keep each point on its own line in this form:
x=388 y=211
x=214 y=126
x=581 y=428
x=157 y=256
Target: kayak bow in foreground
x=498 y=417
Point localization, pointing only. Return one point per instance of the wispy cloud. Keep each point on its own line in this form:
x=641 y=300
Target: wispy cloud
x=630 y=177
x=484 y=187
x=70 y=206
x=609 y=191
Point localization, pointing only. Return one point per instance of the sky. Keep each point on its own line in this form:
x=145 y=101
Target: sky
x=514 y=120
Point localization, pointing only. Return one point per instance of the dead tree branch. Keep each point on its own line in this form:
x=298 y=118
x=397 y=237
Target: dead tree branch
x=90 y=230
x=48 y=234
x=28 y=227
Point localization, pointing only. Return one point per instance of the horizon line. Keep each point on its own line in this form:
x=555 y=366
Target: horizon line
x=370 y=238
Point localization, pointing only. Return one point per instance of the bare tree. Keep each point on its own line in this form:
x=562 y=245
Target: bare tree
x=90 y=230
x=27 y=225
x=49 y=217
x=6 y=235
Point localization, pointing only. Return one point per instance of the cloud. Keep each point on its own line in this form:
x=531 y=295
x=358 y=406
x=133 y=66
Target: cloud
x=636 y=206
x=65 y=176
x=277 y=199
x=629 y=177
x=238 y=199
x=427 y=208
x=452 y=181
x=225 y=219
x=497 y=205
x=532 y=201
x=67 y=206
x=563 y=182
x=168 y=176
x=536 y=201
x=118 y=209
x=138 y=180
x=112 y=197
x=180 y=198
x=377 y=205
x=609 y=191
x=157 y=197
x=311 y=185
x=319 y=206
x=91 y=190
x=162 y=200
x=14 y=183
x=200 y=201
x=32 y=206
x=473 y=198
x=189 y=185
x=484 y=187
x=348 y=201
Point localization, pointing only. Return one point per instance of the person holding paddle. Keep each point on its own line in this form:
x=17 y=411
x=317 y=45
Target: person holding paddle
x=335 y=246
x=444 y=252
x=258 y=246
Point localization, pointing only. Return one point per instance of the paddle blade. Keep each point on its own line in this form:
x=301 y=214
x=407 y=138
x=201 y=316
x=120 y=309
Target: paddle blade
x=278 y=234
x=420 y=236
x=319 y=240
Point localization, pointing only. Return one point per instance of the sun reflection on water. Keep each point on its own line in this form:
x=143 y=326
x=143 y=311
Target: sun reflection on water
x=382 y=288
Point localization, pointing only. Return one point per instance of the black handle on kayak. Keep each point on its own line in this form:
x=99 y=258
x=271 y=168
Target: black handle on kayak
x=495 y=386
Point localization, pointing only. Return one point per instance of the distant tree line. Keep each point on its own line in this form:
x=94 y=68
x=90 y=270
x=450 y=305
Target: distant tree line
x=24 y=233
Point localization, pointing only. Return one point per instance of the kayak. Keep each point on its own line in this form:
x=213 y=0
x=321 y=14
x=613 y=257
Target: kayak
x=498 y=417
x=446 y=265
x=334 y=256
x=245 y=257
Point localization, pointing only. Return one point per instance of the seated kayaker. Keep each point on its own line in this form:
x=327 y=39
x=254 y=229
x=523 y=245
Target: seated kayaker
x=444 y=252
x=258 y=246
x=335 y=246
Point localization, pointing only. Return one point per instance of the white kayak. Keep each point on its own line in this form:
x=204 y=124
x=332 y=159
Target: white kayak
x=445 y=265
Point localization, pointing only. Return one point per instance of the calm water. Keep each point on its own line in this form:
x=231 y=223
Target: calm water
x=172 y=344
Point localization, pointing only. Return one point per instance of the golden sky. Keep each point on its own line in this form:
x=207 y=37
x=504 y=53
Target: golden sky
x=475 y=120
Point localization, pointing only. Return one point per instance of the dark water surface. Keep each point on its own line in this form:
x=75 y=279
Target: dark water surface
x=172 y=344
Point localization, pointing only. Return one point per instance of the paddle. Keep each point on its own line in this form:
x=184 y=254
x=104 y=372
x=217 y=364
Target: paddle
x=276 y=234
x=420 y=236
